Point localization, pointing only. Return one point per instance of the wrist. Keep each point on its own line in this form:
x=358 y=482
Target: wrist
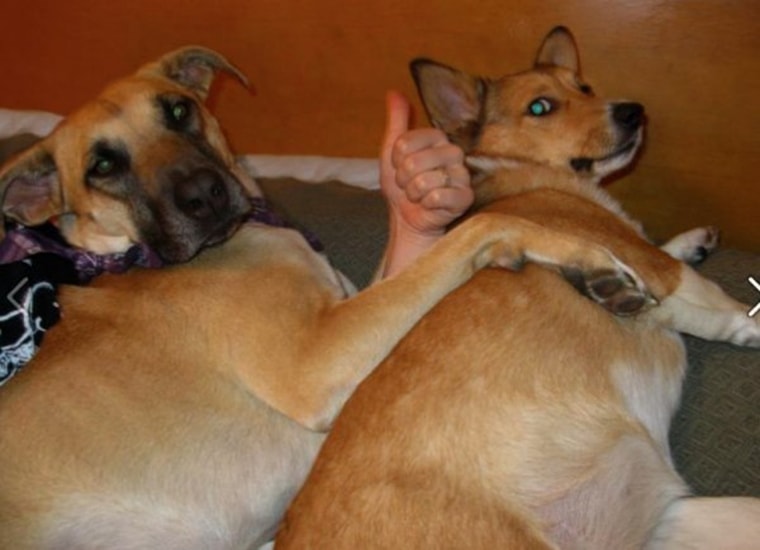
x=405 y=244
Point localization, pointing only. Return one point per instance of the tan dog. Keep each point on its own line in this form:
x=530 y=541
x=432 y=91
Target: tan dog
x=144 y=162
x=182 y=408
x=516 y=414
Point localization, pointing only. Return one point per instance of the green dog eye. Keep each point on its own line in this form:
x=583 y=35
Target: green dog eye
x=104 y=166
x=109 y=160
x=179 y=111
x=540 y=107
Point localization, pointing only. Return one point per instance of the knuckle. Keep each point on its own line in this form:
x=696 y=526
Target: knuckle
x=455 y=153
x=417 y=187
x=406 y=167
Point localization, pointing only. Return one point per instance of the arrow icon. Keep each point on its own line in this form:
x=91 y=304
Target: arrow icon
x=755 y=309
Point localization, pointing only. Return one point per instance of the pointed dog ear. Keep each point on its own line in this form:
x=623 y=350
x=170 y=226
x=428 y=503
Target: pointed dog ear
x=453 y=100
x=30 y=191
x=559 y=49
x=194 y=68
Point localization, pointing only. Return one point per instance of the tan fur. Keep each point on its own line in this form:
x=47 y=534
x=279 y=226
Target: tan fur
x=181 y=408
x=53 y=180
x=516 y=414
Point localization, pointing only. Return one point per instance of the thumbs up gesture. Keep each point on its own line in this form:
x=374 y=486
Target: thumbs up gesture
x=425 y=182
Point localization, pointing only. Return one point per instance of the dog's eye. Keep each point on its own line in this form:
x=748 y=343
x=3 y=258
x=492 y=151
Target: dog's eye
x=103 y=167
x=540 y=107
x=179 y=111
x=107 y=162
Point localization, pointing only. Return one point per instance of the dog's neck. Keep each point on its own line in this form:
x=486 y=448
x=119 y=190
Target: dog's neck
x=498 y=178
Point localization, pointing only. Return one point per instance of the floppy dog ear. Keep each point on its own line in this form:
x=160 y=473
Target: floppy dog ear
x=30 y=191
x=194 y=68
x=559 y=49
x=453 y=100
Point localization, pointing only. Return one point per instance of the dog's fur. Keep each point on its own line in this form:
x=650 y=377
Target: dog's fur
x=182 y=407
x=143 y=162
x=515 y=414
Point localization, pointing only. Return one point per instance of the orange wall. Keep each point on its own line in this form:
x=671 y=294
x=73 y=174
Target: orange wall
x=320 y=68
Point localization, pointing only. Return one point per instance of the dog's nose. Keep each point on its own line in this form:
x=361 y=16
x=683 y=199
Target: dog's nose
x=628 y=115
x=201 y=195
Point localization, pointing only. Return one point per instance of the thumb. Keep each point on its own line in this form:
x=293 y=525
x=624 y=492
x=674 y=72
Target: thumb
x=396 y=123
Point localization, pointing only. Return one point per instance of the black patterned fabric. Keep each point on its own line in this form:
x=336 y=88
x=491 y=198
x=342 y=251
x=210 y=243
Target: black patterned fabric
x=28 y=307
x=35 y=260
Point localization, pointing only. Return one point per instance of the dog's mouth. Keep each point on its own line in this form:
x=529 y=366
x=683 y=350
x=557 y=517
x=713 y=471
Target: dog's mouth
x=182 y=248
x=223 y=232
x=609 y=162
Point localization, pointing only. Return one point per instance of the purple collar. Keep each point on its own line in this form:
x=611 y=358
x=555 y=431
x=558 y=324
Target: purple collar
x=22 y=242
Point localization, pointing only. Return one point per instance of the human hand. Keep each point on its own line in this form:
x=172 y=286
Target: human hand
x=422 y=174
x=424 y=180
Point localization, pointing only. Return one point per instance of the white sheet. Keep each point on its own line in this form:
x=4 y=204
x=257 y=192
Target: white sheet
x=315 y=169
x=39 y=123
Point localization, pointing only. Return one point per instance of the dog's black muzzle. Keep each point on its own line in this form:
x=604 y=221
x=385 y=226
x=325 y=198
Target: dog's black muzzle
x=202 y=195
x=202 y=206
x=628 y=116
x=628 y=119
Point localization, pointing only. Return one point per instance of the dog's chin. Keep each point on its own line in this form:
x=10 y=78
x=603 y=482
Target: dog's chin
x=175 y=253
x=222 y=235
x=183 y=249
x=605 y=165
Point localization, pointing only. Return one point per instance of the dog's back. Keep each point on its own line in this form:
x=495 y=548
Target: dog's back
x=515 y=404
x=130 y=429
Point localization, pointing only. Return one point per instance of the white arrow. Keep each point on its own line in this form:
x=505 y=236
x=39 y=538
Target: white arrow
x=755 y=309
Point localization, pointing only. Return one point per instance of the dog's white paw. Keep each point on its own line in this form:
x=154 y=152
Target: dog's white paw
x=747 y=333
x=693 y=246
x=740 y=328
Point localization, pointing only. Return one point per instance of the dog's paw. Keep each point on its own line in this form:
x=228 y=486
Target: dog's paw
x=693 y=246
x=746 y=332
x=616 y=289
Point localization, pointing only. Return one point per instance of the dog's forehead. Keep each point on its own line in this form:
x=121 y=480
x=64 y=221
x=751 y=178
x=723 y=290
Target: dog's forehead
x=530 y=82
x=128 y=103
x=517 y=90
x=126 y=111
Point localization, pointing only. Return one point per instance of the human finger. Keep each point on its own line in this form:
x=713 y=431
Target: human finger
x=444 y=157
x=397 y=110
x=417 y=141
x=451 y=200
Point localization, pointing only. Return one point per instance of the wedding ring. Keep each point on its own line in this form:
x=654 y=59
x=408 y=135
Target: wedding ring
x=446 y=177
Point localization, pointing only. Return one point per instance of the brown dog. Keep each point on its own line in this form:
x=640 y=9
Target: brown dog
x=144 y=162
x=515 y=414
x=182 y=407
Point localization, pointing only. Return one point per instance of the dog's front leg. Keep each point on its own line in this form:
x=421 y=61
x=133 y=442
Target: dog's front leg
x=701 y=308
x=349 y=340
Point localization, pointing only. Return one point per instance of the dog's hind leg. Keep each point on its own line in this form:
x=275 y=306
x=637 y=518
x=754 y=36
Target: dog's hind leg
x=701 y=523
x=693 y=246
x=701 y=308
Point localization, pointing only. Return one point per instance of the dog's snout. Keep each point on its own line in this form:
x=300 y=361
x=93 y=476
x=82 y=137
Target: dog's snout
x=201 y=194
x=628 y=115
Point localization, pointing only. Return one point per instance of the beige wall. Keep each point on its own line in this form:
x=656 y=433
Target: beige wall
x=320 y=67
